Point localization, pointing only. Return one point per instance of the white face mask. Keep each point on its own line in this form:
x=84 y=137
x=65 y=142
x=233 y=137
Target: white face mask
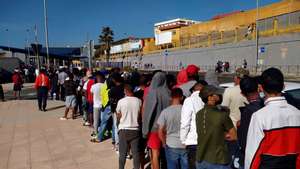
x=262 y=95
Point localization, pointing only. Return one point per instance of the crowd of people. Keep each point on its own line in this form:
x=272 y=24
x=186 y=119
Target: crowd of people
x=181 y=122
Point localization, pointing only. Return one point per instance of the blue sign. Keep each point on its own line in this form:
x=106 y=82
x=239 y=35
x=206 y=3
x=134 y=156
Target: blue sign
x=262 y=50
x=166 y=52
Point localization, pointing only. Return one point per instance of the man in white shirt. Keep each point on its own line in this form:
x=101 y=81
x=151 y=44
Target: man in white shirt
x=273 y=139
x=232 y=97
x=97 y=104
x=188 y=133
x=128 y=113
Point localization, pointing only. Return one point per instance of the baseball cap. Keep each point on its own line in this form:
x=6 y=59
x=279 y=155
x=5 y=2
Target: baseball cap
x=192 y=69
x=209 y=90
x=241 y=72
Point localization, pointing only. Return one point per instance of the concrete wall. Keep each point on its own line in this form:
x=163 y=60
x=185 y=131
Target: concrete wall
x=279 y=50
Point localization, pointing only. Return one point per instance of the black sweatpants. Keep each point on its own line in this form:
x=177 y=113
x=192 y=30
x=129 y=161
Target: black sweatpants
x=126 y=138
x=42 y=96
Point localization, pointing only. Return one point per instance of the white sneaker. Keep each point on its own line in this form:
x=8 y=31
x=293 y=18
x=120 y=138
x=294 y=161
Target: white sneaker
x=63 y=118
x=86 y=124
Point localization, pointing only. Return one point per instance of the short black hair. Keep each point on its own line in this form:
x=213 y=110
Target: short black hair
x=248 y=85
x=272 y=81
x=117 y=77
x=176 y=93
x=203 y=82
x=128 y=88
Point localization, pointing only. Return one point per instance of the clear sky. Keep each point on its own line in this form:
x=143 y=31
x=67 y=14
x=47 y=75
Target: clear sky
x=72 y=21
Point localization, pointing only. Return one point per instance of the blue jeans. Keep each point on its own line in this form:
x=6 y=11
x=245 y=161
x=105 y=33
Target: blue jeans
x=176 y=158
x=105 y=116
x=207 y=165
x=115 y=136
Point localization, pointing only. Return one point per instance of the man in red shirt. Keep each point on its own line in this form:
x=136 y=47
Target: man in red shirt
x=42 y=85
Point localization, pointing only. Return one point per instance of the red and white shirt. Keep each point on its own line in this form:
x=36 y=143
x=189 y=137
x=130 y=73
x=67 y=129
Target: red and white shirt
x=274 y=135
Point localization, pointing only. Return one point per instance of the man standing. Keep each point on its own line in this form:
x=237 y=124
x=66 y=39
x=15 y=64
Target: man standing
x=169 y=132
x=212 y=124
x=188 y=133
x=89 y=99
x=274 y=132
x=97 y=105
x=232 y=97
x=128 y=113
x=42 y=85
x=70 y=91
x=249 y=88
x=192 y=75
x=62 y=75
x=115 y=94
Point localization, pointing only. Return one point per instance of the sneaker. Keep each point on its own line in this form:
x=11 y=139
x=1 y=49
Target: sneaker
x=94 y=134
x=63 y=118
x=86 y=124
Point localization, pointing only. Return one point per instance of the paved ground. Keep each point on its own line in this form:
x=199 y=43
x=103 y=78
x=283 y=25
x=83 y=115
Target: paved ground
x=30 y=139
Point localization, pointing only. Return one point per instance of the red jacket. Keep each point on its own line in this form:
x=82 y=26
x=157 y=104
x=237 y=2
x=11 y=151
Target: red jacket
x=42 y=80
x=17 y=79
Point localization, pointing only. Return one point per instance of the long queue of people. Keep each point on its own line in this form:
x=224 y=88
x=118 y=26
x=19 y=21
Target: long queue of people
x=185 y=122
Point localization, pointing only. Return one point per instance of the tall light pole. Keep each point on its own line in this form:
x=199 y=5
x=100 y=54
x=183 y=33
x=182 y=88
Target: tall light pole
x=46 y=33
x=27 y=45
x=256 y=36
x=8 y=41
x=36 y=45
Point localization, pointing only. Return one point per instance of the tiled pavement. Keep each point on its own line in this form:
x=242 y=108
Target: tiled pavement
x=30 y=139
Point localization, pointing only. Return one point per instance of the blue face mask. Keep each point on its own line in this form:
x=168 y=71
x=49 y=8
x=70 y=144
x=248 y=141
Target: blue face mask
x=262 y=95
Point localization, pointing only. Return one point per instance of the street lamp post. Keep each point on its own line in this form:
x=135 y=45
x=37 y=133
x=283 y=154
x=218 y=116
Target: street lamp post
x=256 y=37
x=46 y=33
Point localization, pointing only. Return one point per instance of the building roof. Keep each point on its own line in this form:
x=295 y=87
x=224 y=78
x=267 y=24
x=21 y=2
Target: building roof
x=54 y=52
x=175 y=20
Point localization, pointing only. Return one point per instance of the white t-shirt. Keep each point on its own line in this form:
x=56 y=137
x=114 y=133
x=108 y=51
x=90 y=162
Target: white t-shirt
x=129 y=107
x=95 y=90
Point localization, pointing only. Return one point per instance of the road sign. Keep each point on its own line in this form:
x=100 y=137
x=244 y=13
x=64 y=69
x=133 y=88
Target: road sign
x=262 y=50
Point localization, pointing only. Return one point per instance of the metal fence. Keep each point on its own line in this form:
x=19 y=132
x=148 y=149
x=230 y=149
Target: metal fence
x=266 y=27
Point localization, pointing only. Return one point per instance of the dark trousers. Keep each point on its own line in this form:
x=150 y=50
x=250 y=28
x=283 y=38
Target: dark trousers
x=126 y=138
x=191 y=153
x=61 y=91
x=1 y=92
x=42 y=95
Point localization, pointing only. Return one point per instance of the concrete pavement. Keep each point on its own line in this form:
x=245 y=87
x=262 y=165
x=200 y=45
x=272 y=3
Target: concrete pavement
x=30 y=139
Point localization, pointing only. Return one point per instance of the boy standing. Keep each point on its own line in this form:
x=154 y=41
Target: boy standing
x=70 y=93
x=274 y=131
x=169 y=132
x=128 y=114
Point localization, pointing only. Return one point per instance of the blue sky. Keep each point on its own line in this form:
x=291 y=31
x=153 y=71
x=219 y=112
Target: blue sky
x=70 y=21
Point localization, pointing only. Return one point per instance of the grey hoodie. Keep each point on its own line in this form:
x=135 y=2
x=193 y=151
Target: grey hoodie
x=157 y=100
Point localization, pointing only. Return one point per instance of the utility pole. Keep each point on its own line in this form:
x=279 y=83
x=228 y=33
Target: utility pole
x=256 y=36
x=46 y=33
x=27 y=45
x=36 y=45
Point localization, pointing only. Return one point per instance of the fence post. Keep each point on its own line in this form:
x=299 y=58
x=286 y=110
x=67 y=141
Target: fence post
x=236 y=34
x=275 y=27
x=208 y=39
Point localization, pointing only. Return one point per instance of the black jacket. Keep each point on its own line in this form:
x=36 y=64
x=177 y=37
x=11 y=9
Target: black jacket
x=242 y=131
